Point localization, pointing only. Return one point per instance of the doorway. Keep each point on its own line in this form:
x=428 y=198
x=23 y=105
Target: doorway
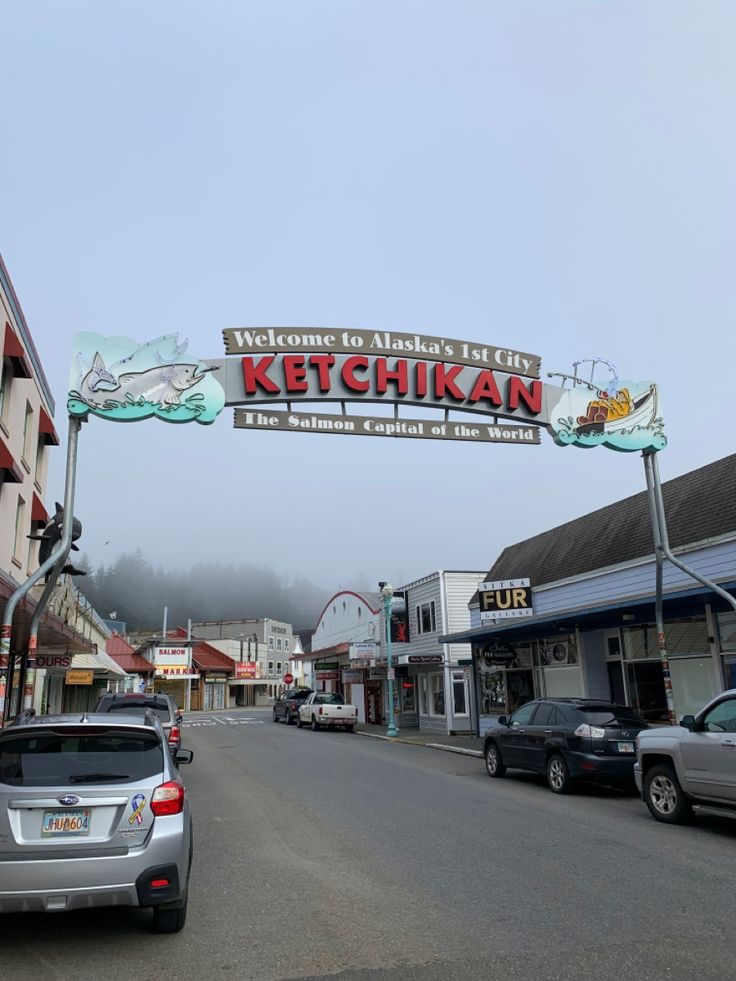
x=646 y=685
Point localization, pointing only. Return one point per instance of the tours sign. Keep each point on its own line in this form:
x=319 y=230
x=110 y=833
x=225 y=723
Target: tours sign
x=480 y=392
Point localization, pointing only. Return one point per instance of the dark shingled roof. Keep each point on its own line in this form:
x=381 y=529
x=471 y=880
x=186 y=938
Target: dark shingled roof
x=699 y=505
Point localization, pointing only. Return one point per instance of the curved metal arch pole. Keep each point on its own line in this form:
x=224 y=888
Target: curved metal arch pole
x=58 y=556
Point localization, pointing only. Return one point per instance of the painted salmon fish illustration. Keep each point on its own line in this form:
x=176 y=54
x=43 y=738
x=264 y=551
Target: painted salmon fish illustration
x=163 y=385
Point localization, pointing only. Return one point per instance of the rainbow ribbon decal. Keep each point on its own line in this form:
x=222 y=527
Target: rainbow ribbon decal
x=138 y=803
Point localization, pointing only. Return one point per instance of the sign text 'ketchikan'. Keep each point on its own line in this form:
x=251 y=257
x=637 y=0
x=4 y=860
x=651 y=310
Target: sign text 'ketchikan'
x=291 y=365
x=504 y=599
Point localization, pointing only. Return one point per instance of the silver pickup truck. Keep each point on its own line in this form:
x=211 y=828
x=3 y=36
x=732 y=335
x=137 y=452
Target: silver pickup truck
x=693 y=763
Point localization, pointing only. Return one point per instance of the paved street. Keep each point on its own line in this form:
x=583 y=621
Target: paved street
x=329 y=854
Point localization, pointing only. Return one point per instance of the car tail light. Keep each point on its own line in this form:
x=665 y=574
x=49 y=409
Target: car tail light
x=593 y=732
x=174 y=735
x=159 y=883
x=168 y=799
x=293 y=704
x=320 y=710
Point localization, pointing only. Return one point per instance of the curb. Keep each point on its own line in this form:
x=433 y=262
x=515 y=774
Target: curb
x=409 y=742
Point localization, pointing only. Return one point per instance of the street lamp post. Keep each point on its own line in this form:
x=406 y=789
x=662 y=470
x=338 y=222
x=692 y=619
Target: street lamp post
x=388 y=594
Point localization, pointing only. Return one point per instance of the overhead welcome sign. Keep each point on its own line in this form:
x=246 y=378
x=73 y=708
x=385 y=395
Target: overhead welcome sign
x=268 y=371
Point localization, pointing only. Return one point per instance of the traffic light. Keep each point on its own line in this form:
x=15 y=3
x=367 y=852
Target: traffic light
x=51 y=536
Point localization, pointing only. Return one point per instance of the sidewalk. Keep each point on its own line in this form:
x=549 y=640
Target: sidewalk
x=467 y=745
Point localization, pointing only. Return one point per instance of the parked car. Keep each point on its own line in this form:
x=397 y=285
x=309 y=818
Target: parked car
x=324 y=709
x=287 y=706
x=162 y=705
x=566 y=739
x=693 y=763
x=93 y=812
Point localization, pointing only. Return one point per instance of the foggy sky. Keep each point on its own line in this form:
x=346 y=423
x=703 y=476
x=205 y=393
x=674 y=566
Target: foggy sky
x=555 y=177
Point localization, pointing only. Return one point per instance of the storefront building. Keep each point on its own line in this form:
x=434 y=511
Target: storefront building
x=591 y=633
x=259 y=649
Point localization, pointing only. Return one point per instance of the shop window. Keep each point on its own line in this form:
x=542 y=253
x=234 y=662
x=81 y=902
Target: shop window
x=613 y=646
x=408 y=695
x=727 y=631
x=426 y=621
x=683 y=637
x=437 y=694
x=458 y=693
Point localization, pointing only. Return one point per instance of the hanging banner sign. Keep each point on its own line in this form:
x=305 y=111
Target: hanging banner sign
x=284 y=340
x=381 y=426
x=504 y=599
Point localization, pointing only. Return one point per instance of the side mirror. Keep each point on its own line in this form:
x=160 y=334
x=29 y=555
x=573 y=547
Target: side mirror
x=183 y=756
x=502 y=720
x=688 y=722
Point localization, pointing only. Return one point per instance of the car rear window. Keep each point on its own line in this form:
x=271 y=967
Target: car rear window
x=51 y=759
x=161 y=709
x=328 y=699
x=611 y=718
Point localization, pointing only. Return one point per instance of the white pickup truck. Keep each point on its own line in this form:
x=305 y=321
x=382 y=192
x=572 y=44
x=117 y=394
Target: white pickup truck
x=324 y=709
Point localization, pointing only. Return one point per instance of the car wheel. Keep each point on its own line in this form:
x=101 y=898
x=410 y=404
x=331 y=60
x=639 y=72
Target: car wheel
x=167 y=920
x=315 y=727
x=299 y=722
x=494 y=763
x=274 y=719
x=665 y=797
x=558 y=775
x=287 y=720
x=349 y=728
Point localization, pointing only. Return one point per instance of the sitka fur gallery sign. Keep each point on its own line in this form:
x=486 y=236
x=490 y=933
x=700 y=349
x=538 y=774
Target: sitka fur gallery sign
x=123 y=380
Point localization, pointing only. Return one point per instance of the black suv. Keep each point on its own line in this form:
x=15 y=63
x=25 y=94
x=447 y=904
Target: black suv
x=133 y=703
x=566 y=739
x=287 y=706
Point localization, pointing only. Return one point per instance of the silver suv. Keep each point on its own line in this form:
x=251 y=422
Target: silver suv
x=103 y=787
x=693 y=763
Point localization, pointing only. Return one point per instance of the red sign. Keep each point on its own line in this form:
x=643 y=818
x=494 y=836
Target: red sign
x=288 y=678
x=245 y=669
x=327 y=675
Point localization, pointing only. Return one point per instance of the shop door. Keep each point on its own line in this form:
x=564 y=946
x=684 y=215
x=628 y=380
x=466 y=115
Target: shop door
x=219 y=696
x=208 y=696
x=646 y=684
x=373 y=698
x=616 y=682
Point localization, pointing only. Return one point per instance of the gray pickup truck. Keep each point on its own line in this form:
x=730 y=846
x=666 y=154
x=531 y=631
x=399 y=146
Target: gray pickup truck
x=693 y=763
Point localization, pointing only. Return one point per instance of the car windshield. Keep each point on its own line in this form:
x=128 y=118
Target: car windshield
x=329 y=699
x=53 y=759
x=612 y=718
x=161 y=709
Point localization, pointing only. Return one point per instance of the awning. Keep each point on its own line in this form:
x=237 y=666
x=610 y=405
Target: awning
x=39 y=514
x=13 y=349
x=12 y=472
x=46 y=428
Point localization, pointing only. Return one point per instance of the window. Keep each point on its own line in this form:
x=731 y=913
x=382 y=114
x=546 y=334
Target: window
x=722 y=718
x=287 y=645
x=437 y=694
x=278 y=643
x=6 y=383
x=20 y=522
x=40 y=447
x=27 y=430
x=360 y=612
x=545 y=715
x=270 y=667
x=270 y=642
x=278 y=667
x=458 y=693
x=426 y=621
x=52 y=759
x=523 y=715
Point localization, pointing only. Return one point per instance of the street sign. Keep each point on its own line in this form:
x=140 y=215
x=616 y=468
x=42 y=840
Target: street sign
x=391 y=674
x=78 y=677
x=288 y=679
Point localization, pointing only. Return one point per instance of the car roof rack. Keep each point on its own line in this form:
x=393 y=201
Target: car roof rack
x=22 y=717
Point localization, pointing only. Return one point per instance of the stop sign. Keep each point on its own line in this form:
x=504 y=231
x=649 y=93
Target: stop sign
x=288 y=678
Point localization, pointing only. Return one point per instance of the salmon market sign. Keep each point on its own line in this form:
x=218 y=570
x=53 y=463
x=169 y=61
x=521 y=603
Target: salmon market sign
x=478 y=392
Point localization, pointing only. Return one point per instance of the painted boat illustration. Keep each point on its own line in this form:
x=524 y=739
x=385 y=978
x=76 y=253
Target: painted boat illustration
x=615 y=413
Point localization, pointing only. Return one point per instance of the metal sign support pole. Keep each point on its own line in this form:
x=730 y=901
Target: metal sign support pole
x=658 y=604
x=57 y=559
